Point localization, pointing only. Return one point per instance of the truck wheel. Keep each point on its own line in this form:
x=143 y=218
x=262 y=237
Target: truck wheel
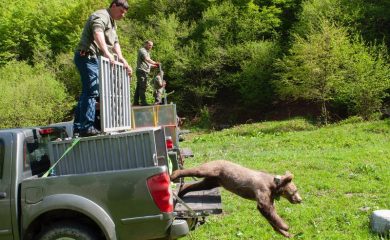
x=67 y=231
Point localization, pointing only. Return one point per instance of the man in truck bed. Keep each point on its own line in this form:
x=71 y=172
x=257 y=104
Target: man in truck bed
x=99 y=37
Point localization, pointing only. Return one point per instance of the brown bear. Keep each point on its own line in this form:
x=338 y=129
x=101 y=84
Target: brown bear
x=259 y=186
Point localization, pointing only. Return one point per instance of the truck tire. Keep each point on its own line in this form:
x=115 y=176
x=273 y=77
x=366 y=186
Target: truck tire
x=66 y=230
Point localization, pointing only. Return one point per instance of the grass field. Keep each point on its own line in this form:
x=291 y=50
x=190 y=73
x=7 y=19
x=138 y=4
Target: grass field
x=341 y=170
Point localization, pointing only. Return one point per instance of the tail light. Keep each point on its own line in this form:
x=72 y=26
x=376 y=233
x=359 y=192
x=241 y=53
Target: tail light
x=169 y=142
x=46 y=131
x=159 y=188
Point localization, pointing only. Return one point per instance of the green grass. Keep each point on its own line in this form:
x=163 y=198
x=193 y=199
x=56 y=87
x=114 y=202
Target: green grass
x=341 y=170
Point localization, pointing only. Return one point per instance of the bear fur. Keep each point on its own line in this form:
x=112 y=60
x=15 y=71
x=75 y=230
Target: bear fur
x=250 y=184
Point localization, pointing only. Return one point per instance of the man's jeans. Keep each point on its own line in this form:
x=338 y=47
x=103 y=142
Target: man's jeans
x=85 y=111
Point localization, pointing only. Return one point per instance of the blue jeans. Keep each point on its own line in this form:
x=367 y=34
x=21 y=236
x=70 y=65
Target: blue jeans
x=88 y=68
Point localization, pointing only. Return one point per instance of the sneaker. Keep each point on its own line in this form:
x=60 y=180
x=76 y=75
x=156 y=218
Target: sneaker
x=90 y=132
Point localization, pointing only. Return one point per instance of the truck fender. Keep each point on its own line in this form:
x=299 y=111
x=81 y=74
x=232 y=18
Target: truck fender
x=75 y=203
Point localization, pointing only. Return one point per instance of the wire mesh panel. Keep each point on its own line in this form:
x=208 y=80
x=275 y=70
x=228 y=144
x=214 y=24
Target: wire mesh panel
x=114 y=87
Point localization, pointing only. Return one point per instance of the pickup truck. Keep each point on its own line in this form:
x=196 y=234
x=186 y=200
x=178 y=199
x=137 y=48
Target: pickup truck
x=132 y=201
x=112 y=186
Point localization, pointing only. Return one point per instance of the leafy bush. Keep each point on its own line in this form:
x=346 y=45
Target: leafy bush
x=66 y=72
x=366 y=79
x=256 y=61
x=30 y=96
x=204 y=119
x=351 y=120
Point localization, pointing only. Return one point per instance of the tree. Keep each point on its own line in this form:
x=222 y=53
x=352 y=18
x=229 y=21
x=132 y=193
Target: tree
x=314 y=66
x=328 y=65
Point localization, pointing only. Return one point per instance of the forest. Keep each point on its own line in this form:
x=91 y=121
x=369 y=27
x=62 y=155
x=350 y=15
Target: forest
x=225 y=61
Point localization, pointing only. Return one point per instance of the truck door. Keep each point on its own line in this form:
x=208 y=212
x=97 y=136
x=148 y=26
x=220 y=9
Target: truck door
x=5 y=186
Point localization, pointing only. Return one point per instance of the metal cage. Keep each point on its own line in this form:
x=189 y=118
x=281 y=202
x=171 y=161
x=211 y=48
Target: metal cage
x=114 y=88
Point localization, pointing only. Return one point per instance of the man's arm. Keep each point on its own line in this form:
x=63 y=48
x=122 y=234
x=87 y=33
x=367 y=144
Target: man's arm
x=150 y=61
x=101 y=43
x=118 y=51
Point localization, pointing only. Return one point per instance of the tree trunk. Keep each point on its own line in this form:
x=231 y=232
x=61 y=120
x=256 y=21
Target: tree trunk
x=324 y=112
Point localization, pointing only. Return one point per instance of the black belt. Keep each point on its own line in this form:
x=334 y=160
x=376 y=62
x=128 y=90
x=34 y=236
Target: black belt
x=86 y=54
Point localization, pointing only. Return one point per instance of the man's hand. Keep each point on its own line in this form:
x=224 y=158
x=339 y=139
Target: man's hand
x=110 y=57
x=126 y=66
x=129 y=70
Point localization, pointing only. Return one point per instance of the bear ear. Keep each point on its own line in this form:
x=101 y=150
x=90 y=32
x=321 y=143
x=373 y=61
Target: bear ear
x=288 y=177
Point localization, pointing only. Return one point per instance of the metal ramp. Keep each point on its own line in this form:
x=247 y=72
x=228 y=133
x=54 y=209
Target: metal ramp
x=199 y=203
x=114 y=88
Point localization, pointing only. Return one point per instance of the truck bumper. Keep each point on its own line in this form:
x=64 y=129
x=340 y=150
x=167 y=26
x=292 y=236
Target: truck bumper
x=179 y=229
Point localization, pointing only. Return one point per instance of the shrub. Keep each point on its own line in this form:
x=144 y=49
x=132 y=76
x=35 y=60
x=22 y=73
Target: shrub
x=30 y=96
x=256 y=60
x=66 y=72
